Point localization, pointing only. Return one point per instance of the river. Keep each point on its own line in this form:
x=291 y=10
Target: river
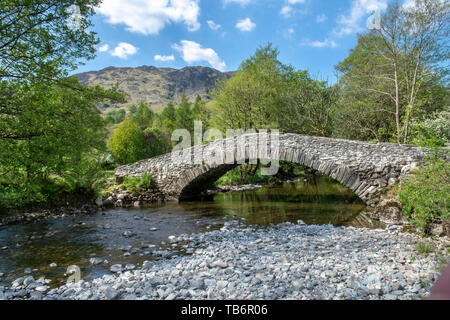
x=131 y=236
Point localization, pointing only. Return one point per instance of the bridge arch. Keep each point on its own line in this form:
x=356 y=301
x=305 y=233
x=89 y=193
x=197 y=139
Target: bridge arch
x=365 y=168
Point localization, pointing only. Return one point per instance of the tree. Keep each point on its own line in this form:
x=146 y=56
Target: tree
x=115 y=116
x=144 y=116
x=307 y=105
x=250 y=99
x=155 y=141
x=183 y=116
x=36 y=41
x=50 y=134
x=132 y=109
x=50 y=127
x=127 y=143
x=168 y=116
x=396 y=64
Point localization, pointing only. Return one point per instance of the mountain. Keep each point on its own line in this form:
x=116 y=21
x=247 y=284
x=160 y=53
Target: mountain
x=155 y=86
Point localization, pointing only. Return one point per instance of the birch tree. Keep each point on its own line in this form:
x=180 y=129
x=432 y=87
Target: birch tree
x=393 y=66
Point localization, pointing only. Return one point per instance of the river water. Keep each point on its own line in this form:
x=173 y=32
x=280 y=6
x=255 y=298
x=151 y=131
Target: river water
x=74 y=240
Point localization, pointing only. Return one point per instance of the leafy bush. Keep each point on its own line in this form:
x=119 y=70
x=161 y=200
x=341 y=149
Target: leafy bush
x=138 y=184
x=147 y=181
x=425 y=195
x=434 y=131
x=127 y=143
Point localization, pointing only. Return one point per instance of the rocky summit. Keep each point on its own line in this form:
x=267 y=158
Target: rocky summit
x=285 y=261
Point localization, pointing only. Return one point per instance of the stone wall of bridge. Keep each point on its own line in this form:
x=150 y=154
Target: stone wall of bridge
x=366 y=168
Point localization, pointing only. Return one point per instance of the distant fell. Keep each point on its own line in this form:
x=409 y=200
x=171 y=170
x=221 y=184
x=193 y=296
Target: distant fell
x=156 y=86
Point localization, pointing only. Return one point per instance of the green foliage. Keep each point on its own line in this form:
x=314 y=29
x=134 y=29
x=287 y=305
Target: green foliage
x=184 y=118
x=144 y=116
x=265 y=94
x=156 y=142
x=200 y=112
x=130 y=143
x=51 y=131
x=48 y=132
x=307 y=105
x=37 y=44
x=138 y=184
x=393 y=75
x=243 y=175
x=115 y=116
x=251 y=174
x=424 y=248
x=132 y=109
x=432 y=132
x=425 y=195
x=250 y=98
x=147 y=180
x=127 y=143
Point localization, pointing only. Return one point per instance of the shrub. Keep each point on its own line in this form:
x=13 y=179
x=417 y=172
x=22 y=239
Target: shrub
x=147 y=181
x=138 y=184
x=127 y=143
x=425 y=195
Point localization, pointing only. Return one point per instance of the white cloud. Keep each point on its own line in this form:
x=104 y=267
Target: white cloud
x=321 y=18
x=164 y=58
x=103 y=48
x=213 y=25
x=192 y=52
x=287 y=11
x=351 y=23
x=327 y=43
x=150 y=17
x=245 y=25
x=124 y=50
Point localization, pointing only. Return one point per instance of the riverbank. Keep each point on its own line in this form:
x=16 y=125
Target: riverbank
x=286 y=261
x=42 y=214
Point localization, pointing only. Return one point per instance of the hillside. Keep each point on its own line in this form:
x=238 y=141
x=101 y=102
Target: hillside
x=155 y=86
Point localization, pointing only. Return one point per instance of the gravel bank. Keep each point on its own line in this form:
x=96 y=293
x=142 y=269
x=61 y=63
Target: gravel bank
x=286 y=261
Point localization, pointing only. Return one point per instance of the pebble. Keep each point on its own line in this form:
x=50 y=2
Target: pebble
x=296 y=262
x=116 y=268
x=95 y=261
x=221 y=264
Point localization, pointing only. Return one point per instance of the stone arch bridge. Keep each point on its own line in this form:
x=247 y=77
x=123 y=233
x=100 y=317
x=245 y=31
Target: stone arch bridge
x=366 y=168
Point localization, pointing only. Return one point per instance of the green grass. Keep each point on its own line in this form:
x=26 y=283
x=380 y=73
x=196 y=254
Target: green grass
x=424 y=248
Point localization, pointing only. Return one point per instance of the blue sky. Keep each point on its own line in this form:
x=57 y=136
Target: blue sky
x=310 y=34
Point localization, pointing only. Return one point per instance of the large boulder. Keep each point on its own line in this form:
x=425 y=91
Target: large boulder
x=440 y=229
x=390 y=212
x=446 y=225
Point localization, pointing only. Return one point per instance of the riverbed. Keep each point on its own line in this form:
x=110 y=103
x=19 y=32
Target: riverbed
x=131 y=236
